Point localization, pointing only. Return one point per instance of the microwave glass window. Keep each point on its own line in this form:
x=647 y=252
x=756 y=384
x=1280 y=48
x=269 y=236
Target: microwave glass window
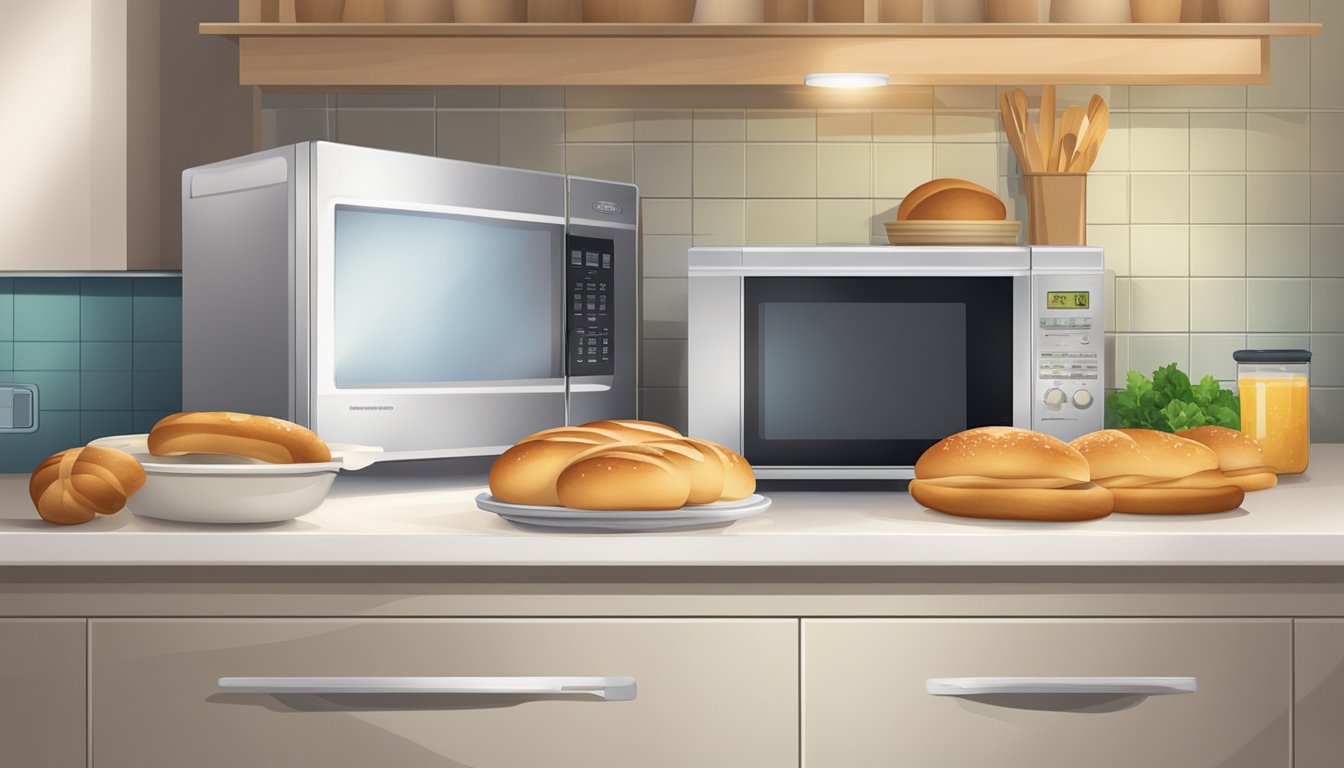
x=436 y=299
x=862 y=371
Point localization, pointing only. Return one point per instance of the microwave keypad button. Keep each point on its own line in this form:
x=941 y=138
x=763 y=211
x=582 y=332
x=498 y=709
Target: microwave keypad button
x=606 y=261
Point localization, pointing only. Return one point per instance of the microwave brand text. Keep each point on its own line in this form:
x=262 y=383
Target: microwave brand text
x=611 y=209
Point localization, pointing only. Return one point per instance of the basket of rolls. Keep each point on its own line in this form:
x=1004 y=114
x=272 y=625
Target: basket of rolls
x=620 y=475
x=952 y=212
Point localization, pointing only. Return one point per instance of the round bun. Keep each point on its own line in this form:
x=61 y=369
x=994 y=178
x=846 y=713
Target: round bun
x=1143 y=453
x=623 y=477
x=75 y=485
x=1005 y=453
x=951 y=199
x=1177 y=501
x=739 y=481
x=700 y=462
x=237 y=434
x=1080 y=502
x=635 y=431
x=526 y=473
x=1240 y=456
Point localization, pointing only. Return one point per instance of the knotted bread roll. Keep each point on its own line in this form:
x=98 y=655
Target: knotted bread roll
x=75 y=485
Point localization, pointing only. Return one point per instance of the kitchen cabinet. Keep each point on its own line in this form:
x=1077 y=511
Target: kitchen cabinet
x=1318 y=693
x=42 y=721
x=709 y=693
x=867 y=700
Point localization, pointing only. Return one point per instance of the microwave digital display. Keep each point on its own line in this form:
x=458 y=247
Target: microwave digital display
x=1068 y=300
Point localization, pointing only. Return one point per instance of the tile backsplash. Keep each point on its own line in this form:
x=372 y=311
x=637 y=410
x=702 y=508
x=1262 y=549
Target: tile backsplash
x=105 y=354
x=1221 y=209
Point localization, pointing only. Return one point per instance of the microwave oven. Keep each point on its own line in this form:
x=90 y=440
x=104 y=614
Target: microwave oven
x=434 y=307
x=848 y=363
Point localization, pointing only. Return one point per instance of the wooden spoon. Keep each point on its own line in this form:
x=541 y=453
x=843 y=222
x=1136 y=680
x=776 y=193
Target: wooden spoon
x=1069 y=126
x=1021 y=109
x=1012 y=130
x=1047 y=121
x=1099 y=122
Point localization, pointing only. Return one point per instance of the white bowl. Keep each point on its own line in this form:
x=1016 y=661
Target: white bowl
x=202 y=488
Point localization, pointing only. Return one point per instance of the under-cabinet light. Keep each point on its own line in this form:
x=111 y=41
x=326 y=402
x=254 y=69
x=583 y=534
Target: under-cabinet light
x=847 y=80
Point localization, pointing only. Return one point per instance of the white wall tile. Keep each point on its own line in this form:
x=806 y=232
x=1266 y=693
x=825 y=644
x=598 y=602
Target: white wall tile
x=1327 y=305
x=1327 y=360
x=1218 y=141
x=612 y=162
x=1278 y=341
x=1211 y=355
x=1159 y=141
x=665 y=255
x=903 y=126
x=1327 y=415
x=1149 y=352
x=1327 y=251
x=1327 y=198
x=533 y=140
x=1217 y=305
x=1327 y=55
x=845 y=126
x=844 y=222
x=1108 y=198
x=471 y=135
x=781 y=126
x=1278 y=251
x=1114 y=154
x=664 y=125
x=1187 y=97
x=1118 y=360
x=1278 y=141
x=899 y=168
x=1113 y=239
x=1217 y=199
x=1327 y=141
x=1124 y=305
x=884 y=210
x=663 y=170
x=1218 y=251
x=600 y=125
x=972 y=162
x=665 y=217
x=720 y=170
x=966 y=127
x=1159 y=251
x=1160 y=304
x=845 y=170
x=781 y=222
x=782 y=170
x=720 y=125
x=720 y=222
x=1279 y=199
x=664 y=308
x=1278 y=305
x=1289 y=74
x=1160 y=199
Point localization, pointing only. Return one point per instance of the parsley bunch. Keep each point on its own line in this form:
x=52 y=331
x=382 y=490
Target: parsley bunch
x=1170 y=404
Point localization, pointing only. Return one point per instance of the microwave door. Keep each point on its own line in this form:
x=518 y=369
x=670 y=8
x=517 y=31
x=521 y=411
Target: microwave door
x=446 y=329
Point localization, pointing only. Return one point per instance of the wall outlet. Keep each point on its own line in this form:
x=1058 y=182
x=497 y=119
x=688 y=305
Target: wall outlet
x=18 y=408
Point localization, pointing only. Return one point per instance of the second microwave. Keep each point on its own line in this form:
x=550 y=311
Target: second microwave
x=848 y=363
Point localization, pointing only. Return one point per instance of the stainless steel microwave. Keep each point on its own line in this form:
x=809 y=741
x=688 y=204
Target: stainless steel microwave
x=433 y=307
x=848 y=363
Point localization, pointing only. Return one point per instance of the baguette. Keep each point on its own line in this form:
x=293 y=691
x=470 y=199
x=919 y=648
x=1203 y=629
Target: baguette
x=237 y=434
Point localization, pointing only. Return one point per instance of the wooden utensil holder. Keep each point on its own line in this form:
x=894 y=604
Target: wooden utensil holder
x=1056 y=208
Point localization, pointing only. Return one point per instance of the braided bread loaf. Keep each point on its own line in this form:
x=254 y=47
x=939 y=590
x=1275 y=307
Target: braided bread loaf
x=75 y=485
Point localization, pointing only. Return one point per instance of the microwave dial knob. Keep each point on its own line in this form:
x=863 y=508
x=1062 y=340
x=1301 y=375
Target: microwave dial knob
x=1055 y=397
x=1082 y=399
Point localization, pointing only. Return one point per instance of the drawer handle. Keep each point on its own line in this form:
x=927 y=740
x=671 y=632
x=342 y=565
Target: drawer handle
x=991 y=686
x=608 y=688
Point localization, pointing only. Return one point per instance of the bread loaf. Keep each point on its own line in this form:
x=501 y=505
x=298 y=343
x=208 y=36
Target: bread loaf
x=702 y=465
x=631 y=476
x=237 y=434
x=1158 y=473
x=1240 y=457
x=77 y=484
x=1009 y=474
x=951 y=199
x=527 y=472
x=636 y=431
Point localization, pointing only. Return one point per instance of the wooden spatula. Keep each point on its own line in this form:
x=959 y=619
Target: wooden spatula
x=1069 y=126
x=1098 y=123
x=1012 y=128
x=1030 y=138
x=1047 y=121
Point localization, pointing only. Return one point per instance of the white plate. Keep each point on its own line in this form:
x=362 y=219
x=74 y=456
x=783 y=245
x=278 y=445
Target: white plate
x=625 y=520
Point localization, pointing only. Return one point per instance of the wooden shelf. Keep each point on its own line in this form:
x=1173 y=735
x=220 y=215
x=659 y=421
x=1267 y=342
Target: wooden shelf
x=333 y=55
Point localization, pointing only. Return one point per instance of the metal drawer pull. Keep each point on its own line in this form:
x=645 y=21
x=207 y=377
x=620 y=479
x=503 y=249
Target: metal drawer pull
x=988 y=686
x=609 y=688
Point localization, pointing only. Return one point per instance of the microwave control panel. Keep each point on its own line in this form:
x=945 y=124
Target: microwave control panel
x=1069 y=349
x=590 y=267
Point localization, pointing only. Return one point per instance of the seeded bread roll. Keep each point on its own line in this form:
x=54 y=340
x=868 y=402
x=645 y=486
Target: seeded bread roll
x=636 y=431
x=1157 y=473
x=526 y=473
x=237 y=434
x=1239 y=455
x=622 y=477
x=78 y=484
x=951 y=200
x=1007 y=473
x=701 y=463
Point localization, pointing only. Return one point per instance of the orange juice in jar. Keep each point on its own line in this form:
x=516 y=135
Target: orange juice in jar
x=1274 y=386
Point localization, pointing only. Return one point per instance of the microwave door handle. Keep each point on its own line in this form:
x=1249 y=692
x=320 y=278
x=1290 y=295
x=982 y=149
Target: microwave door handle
x=601 y=383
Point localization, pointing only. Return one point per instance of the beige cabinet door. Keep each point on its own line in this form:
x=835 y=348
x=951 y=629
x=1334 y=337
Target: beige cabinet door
x=866 y=701
x=42 y=693
x=709 y=693
x=1318 y=694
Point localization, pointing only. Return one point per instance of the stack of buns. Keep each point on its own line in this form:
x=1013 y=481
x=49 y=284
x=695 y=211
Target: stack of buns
x=1240 y=457
x=619 y=465
x=1008 y=474
x=1158 y=473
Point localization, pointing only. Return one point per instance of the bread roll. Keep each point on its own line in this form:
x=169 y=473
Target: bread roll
x=951 y=199
x=553 y=432
x=526 y=473
x=635 y=431
x=702 y=465
x=623 y=477
x=1239 y=455
x=1008 y=473
x=237 y=434
x=739 y=481
x=1158 y=473
x=75 y=485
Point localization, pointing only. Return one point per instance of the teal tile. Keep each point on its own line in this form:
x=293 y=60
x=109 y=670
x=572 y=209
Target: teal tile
x=158 y=309
x=46 y=309
x=144 y=421
x=105 y=391
x=158 y=356
x=6 y=357
x=105 y=356
x=56 y=390
x=157 y=390
x=6 y=308
x=46 y=356
x=105 y=305
x=56 y=431
x=96 y=424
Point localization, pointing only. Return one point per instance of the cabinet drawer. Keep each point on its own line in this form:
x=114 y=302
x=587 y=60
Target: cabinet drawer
x=866 y=699
x=42 y=693
x=710 y=693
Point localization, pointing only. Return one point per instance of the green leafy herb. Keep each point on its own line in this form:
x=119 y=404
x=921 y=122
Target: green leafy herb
x=1169 y=403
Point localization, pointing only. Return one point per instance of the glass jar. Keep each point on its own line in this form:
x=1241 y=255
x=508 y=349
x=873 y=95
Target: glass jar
x=1275 y=388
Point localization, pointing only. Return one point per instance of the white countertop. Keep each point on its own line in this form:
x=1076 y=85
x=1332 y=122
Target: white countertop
x=425 y=521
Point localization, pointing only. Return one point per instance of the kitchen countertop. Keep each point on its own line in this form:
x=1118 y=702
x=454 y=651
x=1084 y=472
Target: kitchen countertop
x=426 y=521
